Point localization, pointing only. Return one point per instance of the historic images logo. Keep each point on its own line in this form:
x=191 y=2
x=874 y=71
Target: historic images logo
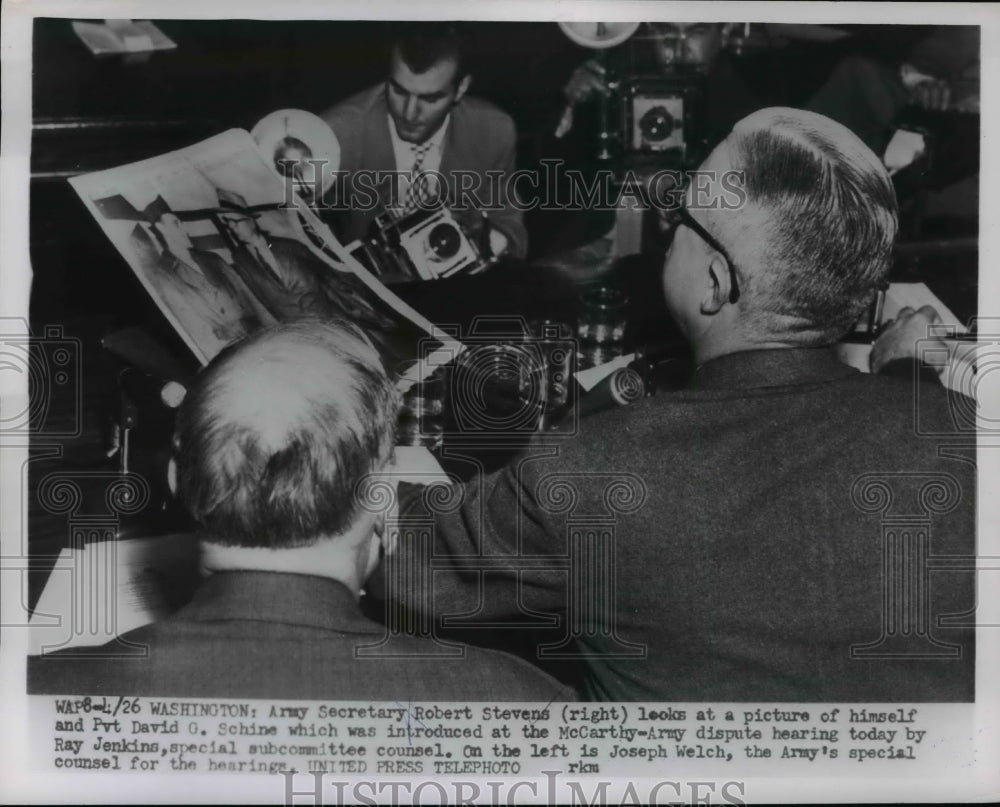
x=551 y=187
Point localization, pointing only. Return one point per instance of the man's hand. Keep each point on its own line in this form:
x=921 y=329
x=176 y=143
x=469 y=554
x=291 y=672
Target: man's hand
x=900 y=339
x=933 y=94
x=587 y=80
x=968 y=104
x=925 y=91
x=498 y=243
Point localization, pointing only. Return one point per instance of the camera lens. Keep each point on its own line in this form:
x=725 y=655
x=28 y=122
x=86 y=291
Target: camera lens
x=657 y=124
x=444 y=241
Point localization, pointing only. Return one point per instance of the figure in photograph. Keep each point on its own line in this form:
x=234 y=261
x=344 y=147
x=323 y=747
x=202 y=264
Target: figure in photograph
x=197 y=286
x=287 y=276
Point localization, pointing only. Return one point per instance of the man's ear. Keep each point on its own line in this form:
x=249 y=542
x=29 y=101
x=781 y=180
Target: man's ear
x=463 y=87
x=716 y=293
x=376 y=545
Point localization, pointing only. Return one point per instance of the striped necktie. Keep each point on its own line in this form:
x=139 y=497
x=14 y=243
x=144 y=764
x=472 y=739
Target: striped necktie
x=417 y=191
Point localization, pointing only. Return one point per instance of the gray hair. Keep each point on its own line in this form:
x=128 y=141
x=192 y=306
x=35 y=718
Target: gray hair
x=830 y=218
x=276 y=433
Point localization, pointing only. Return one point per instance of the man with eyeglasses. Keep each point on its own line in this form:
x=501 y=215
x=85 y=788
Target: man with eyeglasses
x=757 y=560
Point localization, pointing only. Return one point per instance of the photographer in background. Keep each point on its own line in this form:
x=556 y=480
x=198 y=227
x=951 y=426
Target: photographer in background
x=422 y=121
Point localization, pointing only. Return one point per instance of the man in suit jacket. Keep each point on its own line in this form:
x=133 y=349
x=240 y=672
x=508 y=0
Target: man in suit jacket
x=763 y=535
x=422 y=120
x=272 y=442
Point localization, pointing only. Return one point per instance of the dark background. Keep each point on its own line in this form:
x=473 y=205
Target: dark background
x=94 y=113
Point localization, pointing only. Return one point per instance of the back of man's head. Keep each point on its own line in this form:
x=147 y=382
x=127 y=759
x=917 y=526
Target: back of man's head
x=821 y=216
x=275 y=435
x=421 y=45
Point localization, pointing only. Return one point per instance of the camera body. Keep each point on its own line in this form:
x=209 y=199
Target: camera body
x=657 y=116
x=507 y=385
x=425 y=244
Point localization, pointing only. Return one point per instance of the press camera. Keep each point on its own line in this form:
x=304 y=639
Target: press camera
x=424 y=244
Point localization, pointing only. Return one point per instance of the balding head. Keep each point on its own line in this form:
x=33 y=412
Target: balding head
x=820 y=220
x=276 y=433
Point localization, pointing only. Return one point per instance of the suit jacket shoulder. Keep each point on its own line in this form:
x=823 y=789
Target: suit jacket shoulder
x=480 y=115
x=352 y=120
x=355 y=107
x=272 y=635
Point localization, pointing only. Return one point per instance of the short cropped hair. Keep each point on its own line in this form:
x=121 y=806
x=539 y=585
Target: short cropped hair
x=421 y=45
x=831 y=217
x=276 y=433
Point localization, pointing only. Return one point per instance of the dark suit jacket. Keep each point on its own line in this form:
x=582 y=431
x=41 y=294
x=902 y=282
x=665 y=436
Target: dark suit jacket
x=754 y=564
x=269 y=635
x=480 y=138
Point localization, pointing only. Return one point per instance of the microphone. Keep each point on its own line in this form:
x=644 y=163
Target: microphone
x=622 y=387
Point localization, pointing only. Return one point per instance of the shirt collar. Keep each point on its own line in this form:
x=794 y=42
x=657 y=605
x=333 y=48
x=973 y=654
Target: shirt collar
x=434 y=141
x=775 y=367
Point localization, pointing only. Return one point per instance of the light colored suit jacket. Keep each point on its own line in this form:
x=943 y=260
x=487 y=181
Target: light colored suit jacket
x=480 y=138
